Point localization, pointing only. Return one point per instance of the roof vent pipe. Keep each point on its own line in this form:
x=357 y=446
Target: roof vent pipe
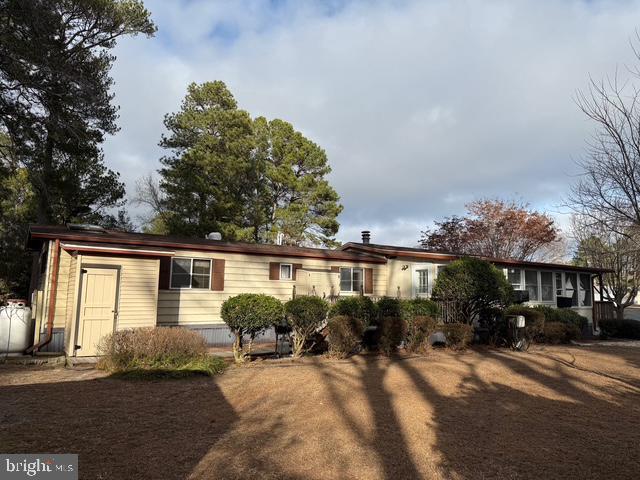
x=366 y=236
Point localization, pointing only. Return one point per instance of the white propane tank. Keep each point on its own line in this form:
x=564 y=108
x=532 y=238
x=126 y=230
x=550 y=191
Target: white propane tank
x=16 y=327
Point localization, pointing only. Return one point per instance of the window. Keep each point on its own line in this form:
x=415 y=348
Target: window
x=531 y=284
x=571 y=287
x=514 y=277
x=559 y=290
x=585 y=290
x=286 y=271
x=351 y=279
x=423 y=281
x=190 y=273
x=546 y=286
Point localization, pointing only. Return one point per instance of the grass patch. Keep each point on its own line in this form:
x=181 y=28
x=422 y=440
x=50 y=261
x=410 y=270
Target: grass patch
x=206 y=366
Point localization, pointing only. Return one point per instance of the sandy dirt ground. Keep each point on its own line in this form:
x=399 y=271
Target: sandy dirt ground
x=554 y=412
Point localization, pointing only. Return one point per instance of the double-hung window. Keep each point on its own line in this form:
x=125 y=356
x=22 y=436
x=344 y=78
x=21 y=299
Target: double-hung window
x=423 y=281
x=351 y=279
x=286 y=271
x=188 y=273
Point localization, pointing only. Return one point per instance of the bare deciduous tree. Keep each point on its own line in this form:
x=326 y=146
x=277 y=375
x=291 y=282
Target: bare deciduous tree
x=601 y=246
x=149 y=195
x=606 y=198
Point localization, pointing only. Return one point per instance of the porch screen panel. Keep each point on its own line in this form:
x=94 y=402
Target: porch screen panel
x=531 y=284
x=546 y=285
x=585 y=290
x=571 y=287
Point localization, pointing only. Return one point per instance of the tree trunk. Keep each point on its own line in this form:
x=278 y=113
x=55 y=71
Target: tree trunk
x=238 y=354
x=620 y=312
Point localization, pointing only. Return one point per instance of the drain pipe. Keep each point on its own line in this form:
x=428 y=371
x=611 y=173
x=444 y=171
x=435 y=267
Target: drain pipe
x=52 y=301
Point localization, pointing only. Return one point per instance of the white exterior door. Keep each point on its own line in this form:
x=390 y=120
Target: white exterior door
x=98 y=308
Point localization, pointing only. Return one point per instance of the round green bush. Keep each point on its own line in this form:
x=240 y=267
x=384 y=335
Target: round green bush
x=344 y=335
x=389 y=307
x=250 y=314
x=474 y=286
x=391 y=332
x=418 y=307
x=357 y=307
x=305 y=315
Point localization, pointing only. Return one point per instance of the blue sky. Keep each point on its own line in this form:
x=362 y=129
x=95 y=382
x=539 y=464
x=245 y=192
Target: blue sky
x=421 y=106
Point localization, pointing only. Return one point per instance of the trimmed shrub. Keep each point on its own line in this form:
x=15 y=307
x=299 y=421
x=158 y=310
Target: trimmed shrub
x=344 y=335
x=459 y=335
x=305 y=315
x=564 y=315
x=250 y=314
x=389 y=307
x=391 y=333
x=559 y=332
x=157 y=352
x=409 y=309
x=357 y=307
x=418 y=332
x=619 y=329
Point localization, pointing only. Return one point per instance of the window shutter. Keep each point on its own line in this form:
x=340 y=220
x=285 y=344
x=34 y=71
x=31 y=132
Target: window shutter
x=164 y=279
x=296 y=266
x=217 y=280
x=274 y=271
x=368 y=280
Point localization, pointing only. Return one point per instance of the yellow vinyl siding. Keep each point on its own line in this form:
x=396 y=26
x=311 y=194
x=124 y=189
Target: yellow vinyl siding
x=243 y=274
x=138 y=293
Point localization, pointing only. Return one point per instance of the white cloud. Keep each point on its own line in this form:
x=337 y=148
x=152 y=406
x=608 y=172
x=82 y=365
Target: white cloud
x=421 y=106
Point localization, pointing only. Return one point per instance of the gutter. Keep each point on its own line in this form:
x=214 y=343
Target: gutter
x=52 y=301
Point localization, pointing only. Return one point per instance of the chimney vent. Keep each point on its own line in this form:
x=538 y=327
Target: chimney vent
x=366 y=236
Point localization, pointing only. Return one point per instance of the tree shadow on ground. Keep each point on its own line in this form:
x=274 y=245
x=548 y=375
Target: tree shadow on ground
x=498 y=429
x=120 y=429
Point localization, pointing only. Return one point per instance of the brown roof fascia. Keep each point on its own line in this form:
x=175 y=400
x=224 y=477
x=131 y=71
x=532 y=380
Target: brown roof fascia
x=390 y=252
x=39 y=232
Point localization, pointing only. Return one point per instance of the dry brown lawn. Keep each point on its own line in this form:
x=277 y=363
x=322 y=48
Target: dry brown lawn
x=555 y=412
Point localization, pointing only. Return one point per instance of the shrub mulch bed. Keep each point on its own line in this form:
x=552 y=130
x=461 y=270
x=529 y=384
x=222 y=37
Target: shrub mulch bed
x=554 y=412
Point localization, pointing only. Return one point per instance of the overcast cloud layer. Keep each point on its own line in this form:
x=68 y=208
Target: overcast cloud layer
x=420 y=105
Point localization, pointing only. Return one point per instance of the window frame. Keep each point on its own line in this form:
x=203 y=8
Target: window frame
x=426 y=285
x=351 y=276
x=191 y=287
x=290 y=265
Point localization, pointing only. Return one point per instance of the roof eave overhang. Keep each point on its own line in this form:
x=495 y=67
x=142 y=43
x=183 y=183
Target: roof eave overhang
x=328 y=255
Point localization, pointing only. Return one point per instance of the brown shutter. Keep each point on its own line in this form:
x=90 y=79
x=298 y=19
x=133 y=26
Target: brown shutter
x=296 y=266
x=335 y=269
x=164 y=280
x=217 y=280
x=274 y=271
x=368 y=280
